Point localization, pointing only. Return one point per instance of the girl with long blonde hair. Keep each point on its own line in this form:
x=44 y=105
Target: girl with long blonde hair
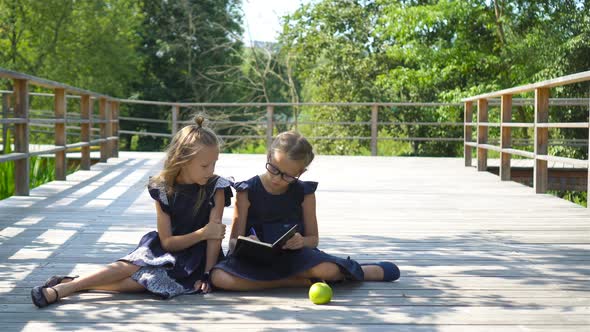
x=175 y=259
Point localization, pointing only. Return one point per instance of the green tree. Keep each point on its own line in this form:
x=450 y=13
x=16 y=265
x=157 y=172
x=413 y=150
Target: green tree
x=88 y=44
x=191 y=50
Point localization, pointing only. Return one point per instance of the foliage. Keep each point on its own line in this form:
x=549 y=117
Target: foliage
x=191 y=50
x=87 y=44
x=436 y=50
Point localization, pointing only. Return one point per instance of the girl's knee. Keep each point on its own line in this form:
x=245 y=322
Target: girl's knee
x=221 y=279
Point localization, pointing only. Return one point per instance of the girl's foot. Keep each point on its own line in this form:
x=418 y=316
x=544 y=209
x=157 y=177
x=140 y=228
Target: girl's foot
x=382 y=271
x=42 y=297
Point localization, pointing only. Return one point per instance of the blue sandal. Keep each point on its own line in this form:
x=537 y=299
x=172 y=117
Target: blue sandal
x=390 y=271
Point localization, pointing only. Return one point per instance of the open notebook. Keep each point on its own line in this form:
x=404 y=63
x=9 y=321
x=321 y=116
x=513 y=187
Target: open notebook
x=261 y=252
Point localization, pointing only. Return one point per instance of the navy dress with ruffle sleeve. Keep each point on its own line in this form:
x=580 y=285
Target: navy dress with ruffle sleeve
x=271 y=216
x=169 y=274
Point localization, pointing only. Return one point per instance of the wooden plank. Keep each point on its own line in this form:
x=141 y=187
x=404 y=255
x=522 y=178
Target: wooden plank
x=489 y=147
x=111 y=140
x=564 y=80
x=60 y=109
x=374 y=119
x=570 y=161
x=175 y=114
x=466 y=265
x=278 y=326
x=467 y=133
x=505 y=137
x=21 y=137
x=37 y=81
x=104 y=144
x=541 y=173
x=482 y=135
x=86 y=111
x=5 y=111
x=269 y=125
x=13 y=156
x=115 y=128
x=520 y=125
x=259 y=314
x=521 y=153
x=563 y=125
x=489 y=124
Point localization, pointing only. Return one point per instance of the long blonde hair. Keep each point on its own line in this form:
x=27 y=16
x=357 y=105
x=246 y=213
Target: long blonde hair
x=182 y=149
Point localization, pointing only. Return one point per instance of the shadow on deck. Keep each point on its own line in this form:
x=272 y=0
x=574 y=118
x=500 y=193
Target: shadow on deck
x=476 y=254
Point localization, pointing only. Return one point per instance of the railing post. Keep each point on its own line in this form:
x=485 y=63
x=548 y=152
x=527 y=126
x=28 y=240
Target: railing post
x=374 y=117
x=175 y=113
x=506 y=136
x=5 y=109
x=541 y=173
x=269 y=125
x=102 y=113
x=21 y=137
x=60 y=110
x=467 y=132
x=85 y=128
x=482 y=135
x=109 y=128
x=115 y=128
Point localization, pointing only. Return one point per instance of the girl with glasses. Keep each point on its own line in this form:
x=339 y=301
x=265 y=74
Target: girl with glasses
x=267 y=206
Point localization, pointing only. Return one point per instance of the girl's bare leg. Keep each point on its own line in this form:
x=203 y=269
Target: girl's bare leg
x=373 y=272
x=112 y=277
x=227 y=281
x=324 y=271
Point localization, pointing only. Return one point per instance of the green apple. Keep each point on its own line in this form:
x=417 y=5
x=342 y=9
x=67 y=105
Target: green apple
x=320 y=293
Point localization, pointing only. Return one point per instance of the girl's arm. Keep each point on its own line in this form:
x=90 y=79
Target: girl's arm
x=213 y=246
x=173 y=243
x=310 y=221
x=240 y=216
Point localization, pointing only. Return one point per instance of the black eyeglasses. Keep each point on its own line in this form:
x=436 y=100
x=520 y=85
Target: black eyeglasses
x=276 y=171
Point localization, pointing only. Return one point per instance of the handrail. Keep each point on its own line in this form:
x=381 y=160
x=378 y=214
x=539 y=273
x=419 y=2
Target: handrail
x=564 y=80
x=540 y=124
x=21 y=122
x=109 y=123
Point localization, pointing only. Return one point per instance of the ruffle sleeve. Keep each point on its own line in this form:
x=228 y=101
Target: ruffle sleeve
x=303 y=188
x=225 y=185
x=309 y=187
x=242 y=185
x=158 y=193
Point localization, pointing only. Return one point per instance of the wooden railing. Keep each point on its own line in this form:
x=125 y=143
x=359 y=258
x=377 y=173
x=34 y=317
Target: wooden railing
x=108 y=121
x=19 y=103
x=541 y=127
x=269 y=121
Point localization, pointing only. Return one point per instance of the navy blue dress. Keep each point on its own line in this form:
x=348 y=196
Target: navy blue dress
x=270 y=216
x=169 y=274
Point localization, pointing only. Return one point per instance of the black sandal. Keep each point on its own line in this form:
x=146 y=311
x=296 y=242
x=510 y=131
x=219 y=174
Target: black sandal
x=56 y=280
x=39 y=299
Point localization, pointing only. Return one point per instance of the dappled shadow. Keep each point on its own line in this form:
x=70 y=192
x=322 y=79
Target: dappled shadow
x=491 y=275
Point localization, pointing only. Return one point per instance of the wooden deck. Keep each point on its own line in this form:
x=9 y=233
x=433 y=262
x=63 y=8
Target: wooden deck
x=476 y=254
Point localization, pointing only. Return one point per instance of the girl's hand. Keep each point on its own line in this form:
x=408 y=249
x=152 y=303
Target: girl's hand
x=206 y=287
x=295 y=242
x=254 y=237
x=213 y=231
x=203 y=286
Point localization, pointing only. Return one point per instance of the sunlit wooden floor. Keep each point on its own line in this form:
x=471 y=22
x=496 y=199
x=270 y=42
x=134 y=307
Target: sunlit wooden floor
x=476 y=254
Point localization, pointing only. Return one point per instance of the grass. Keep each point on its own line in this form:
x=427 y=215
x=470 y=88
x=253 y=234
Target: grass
x=42 y=170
